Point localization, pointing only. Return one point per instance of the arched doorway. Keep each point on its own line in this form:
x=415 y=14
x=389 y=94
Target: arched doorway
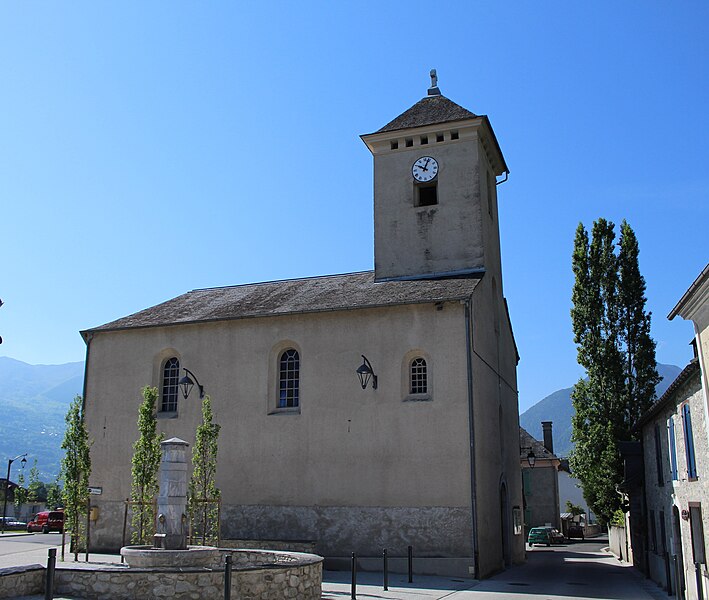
x=505 y=524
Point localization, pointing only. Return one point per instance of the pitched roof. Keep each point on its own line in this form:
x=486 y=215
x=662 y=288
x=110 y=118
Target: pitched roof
x=669 y=396
x=429 y=111
x=313 y=294
x=527 y=442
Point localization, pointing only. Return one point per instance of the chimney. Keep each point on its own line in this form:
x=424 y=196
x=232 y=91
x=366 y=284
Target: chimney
x=548 y=439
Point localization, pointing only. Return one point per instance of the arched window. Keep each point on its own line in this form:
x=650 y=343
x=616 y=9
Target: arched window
x=170 y=377
x=289 y=379
x=419 y=377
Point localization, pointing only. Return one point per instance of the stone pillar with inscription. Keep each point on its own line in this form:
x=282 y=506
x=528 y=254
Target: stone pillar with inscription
x=172 y=498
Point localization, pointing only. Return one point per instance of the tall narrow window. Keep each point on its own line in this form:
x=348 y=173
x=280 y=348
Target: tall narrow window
x=658 y=457
x=289 y=379
x=419 y=377
x=170 y=377
x=653 y=532
x=673 y=447
x=689 y=442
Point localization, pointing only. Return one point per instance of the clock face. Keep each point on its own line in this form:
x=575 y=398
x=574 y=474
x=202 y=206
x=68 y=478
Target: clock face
x=425 y=169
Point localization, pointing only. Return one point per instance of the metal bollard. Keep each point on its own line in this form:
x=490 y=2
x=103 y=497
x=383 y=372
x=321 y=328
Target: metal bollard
x=386 y=571
x=227 y=576
x=354 y=577
x=49 y=582
x=411 y=564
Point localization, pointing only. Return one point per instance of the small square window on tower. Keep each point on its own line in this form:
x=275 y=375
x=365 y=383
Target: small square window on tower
x=409 y=142
x=395 y=145
x=426 y=195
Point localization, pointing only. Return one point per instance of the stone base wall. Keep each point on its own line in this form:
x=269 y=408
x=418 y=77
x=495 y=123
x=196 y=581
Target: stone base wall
x=279 y=545
x=255 y=576
x=434 y=531
x=21 y=581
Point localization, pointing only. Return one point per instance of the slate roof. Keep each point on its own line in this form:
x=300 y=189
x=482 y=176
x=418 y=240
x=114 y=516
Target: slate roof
x=526 y=441
x=429 y=111
x=669 y=396
x=314 y=294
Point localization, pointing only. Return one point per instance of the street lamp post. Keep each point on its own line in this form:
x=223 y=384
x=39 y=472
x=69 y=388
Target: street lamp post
x=7 y=486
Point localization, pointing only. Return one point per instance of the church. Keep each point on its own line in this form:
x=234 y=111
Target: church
x=359 y=411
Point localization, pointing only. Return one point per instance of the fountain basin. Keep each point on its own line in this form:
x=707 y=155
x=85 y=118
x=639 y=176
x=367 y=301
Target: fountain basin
x=150 y=557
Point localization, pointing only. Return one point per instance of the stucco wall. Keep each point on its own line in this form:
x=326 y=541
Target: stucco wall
x=542 y=494
x=356 y=470
x=669 y=500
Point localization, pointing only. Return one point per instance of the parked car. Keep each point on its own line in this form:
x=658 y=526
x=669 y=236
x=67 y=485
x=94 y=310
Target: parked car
x=556 y=536
x=13 y=523
x=46 y=521
x=539 y=535
x=575 y=531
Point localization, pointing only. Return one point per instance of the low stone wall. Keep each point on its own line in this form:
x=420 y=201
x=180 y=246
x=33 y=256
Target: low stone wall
x=618 y=542
x=255 y=575
x=21 y=581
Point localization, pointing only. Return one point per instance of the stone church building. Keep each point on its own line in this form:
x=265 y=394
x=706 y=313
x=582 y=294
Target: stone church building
x=427 y=454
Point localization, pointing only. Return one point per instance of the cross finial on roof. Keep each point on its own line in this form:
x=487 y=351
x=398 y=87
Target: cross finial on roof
x=433 y=90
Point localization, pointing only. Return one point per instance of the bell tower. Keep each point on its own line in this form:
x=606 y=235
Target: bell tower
x=435 y=203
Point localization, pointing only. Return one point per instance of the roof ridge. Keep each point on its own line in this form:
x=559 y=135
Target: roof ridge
x=255 y=283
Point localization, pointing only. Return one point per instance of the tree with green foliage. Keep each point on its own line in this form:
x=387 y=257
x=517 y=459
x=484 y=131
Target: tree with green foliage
x=54 y=494
x=203 y=493
x=75 y=473
x=612 y=333
x=21 y=492
x=144 y=472
x=574 y=509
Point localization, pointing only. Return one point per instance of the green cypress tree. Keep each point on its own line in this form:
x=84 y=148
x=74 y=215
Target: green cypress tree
x=641 y=365
x=203 y=491
x=612 y=333
x=144 y=470
x=75 y=473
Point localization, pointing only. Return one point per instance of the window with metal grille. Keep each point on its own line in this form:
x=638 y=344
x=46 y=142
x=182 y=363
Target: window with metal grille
x=419 y=376
x=289 y=379
x=170 y=377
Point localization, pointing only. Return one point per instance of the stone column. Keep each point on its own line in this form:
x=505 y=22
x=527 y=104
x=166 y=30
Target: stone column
x=172 y=498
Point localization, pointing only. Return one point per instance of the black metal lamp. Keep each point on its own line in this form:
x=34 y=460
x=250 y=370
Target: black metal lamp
x=365 y=373
x=531 y=459
x=186 y=384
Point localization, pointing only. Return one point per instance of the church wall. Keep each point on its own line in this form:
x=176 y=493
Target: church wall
x=355 y=470
x=410 y=240
x=497 y=431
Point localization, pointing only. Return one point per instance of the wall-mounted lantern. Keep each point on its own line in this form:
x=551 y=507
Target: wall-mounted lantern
x=186 y=384
x=365 y=373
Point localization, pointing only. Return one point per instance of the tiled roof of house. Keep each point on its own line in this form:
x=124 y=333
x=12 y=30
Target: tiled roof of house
x=668 y=396
x=526 y=441
x=429 y=111
x=312 y=294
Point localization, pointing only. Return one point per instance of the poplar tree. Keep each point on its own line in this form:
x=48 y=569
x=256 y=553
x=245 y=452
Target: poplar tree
x=75 y=472
x=203 y=491
x=612 y=333
x=145 y=467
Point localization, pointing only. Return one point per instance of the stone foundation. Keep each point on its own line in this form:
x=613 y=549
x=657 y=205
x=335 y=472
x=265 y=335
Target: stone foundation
x=21 y=581
x=256 y=575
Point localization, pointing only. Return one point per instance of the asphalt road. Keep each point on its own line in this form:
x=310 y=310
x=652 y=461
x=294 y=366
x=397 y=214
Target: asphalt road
x=573 y=571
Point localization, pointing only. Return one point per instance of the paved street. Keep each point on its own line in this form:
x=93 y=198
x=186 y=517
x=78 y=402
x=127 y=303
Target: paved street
x=574 y=571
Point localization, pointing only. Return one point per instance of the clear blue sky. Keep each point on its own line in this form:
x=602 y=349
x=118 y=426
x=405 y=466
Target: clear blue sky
x=150 y=148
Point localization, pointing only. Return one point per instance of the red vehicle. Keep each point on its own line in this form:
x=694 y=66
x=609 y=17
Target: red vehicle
x=46 y=521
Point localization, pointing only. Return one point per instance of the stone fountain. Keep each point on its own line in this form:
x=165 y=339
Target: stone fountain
x=170 y=547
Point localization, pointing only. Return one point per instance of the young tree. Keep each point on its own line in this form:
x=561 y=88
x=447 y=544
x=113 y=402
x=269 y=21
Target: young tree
x=203 y=492
x=21 y=492
x=75 y=472
x=612 y=333
x=146 y=464
x=54 y=494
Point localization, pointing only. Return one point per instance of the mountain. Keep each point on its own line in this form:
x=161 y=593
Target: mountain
x=33 y=402
x=557 y=407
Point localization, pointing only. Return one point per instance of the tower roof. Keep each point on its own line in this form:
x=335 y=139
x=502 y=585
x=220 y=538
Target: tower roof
x=431 y=110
